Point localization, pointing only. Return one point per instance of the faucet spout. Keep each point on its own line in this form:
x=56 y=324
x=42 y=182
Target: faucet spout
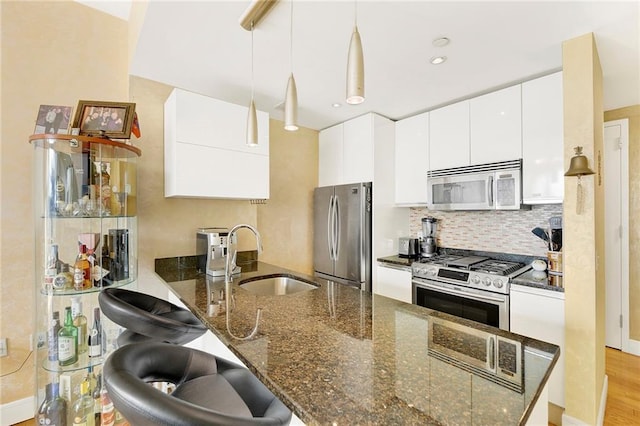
x=229 y=266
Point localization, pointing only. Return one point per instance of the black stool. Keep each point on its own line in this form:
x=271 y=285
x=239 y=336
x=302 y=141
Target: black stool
x=209 y=390
x=148 y=318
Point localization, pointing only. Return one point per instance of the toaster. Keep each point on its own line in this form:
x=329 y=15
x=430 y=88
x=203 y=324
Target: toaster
x=408 y=247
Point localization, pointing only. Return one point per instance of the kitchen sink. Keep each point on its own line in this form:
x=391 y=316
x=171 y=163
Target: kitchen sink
x=277 y=285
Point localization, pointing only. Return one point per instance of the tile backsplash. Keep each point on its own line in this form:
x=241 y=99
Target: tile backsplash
x=497 y=231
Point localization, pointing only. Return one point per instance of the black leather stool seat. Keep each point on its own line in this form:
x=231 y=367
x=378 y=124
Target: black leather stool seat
x=209 y=390
x=148 y=318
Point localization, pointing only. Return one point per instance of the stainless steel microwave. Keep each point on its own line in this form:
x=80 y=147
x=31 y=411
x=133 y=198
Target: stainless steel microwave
x=494 y=186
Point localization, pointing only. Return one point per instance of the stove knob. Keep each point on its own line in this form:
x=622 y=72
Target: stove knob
x=475 y=279
x=431 y=272
x=486 y=281
x=498 y=283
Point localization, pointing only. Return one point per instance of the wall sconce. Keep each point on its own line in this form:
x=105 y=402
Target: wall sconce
x=579 y=166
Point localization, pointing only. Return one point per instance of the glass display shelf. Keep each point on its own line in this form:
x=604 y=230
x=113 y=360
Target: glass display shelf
x=84 y=362
x=94 y=289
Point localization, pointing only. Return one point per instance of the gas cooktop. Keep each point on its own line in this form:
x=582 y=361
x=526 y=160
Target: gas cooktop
x=479 y=272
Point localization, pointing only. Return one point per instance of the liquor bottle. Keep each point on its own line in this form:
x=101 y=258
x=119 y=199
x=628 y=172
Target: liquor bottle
x=91 y=379
x=64 y=279
x=106 y=260
x=53 y=410
x=83 y=414
x=95 y=335
x=80 y=321
x=52 y=337
x=68 y=341
x=105 y=188
x=82 y=270
x=52 y=268
x=108 y=415
x=97 y=401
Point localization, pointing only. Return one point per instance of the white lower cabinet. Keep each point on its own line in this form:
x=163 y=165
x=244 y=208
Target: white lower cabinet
x=539 y=314
x=394 y=282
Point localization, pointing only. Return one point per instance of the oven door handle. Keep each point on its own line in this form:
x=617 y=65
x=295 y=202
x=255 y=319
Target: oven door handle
x=460 y=293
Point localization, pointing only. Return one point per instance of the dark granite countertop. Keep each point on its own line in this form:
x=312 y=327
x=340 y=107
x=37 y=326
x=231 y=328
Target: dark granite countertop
x=404 y=262
x=540 y=279
x=336 y=355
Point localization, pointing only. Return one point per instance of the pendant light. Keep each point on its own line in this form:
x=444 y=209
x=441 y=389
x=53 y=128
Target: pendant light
x=355 y=66
x=291 y=96
x=252 y=120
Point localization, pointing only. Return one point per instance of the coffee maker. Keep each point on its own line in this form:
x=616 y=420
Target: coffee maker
x=211 y=251
x=428 y=246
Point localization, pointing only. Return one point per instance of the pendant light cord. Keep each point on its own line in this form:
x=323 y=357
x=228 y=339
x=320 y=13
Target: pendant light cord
x=252 y=60
x=355 y=12
x=291 y=39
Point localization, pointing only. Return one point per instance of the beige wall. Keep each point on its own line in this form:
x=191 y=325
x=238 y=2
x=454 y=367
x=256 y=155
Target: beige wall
x=633 y=114
x=53 y=53
x=583 y=233
x=286 y=221
x=58 y=53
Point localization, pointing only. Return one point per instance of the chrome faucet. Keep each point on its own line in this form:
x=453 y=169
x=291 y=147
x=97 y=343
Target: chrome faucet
x=229 y=266
x=232 y=250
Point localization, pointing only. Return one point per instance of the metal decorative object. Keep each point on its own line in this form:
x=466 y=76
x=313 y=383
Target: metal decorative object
x=579 y=167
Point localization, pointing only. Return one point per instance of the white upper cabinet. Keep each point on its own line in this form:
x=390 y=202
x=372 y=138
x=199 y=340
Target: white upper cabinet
x=358 y=150
x=330 y=156
x=412 y=160
x=496 y=130
x=449 y=136
x=345 y=152
x=542 y=140
x=204 y=141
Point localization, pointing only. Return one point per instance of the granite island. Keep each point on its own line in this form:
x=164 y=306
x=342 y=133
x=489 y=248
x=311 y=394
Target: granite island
x=338 y=356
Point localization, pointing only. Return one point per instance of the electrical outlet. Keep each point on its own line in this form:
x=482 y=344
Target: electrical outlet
x=41 y=341
x=4 y=350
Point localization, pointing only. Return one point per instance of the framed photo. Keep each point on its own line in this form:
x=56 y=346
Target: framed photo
x=112 y=119
x=53 y=119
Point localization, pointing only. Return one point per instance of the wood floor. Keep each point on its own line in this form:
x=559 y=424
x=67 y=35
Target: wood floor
x=623 y=396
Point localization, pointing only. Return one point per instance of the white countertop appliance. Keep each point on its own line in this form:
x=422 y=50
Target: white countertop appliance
x=471 y=287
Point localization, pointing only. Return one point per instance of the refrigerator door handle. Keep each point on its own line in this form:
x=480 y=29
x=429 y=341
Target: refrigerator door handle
x=336 y=246
x=330 y=228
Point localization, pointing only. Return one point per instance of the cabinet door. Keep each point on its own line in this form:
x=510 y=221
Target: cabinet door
x=358 y=150
x=393 y=282
x=540 y=314
x=412 y=159
x=449 y=136
x=496 y=126
x=542 y=140
x=330 y=156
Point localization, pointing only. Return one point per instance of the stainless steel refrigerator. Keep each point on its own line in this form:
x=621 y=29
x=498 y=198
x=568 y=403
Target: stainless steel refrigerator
x=342 y=234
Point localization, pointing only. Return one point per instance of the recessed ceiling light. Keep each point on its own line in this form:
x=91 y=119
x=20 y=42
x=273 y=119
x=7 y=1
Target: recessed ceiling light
x=336 y=105
x=440 y=42
x=437 y=60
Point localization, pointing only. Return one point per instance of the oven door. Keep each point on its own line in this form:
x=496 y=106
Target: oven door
x=477 y=305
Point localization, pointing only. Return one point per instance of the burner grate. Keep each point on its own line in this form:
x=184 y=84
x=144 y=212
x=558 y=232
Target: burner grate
x=497 y=267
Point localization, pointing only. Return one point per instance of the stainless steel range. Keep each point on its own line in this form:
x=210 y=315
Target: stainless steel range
x=472 y=287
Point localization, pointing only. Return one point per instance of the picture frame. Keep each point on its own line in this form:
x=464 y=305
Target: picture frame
x=53 y=119
x=100 y=118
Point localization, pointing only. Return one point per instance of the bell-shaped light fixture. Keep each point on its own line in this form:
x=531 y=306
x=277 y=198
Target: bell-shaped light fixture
x=291 y=105
x=291 y=96
x=355 y=68
x=579 y=167
x=252 y=120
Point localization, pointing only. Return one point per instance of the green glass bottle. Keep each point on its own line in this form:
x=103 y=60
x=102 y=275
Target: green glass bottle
x=68 y=341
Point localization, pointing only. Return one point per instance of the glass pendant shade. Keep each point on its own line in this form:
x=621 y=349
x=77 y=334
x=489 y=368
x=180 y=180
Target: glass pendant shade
x=252 y=125
x=355 y=70
x=291 y=105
